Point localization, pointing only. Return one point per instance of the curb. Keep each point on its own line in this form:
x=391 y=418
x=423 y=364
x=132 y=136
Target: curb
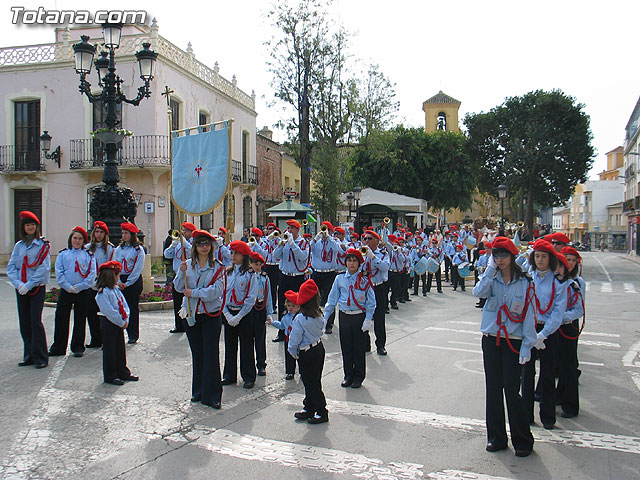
x=144 y=306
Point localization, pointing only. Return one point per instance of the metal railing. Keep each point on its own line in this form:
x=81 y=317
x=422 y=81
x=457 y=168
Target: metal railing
x=236 y=171
x=136 y=151
x=21 y=159
x=252 y=175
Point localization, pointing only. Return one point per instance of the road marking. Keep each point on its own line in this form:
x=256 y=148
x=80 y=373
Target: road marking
x=603 y=269
x=594 y=364
x=461 y=475
x=455 y=342
x=605 y=287
x=630 y=358
x=600 y=334
x=629 y=288
x=588 y=286
x=462 y=322
x=595 y=343
x=444 y=329
x=599 y=441
x=449 y=348
x=288 y=454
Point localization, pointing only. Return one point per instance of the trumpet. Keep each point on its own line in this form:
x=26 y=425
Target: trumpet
x=396 y=248
x=275 y=234
x=175 y=234
x=364 y=249
x=386 y=220
x=305 y=222
x=324 y=229
x=520 y=224
x=285 y=236
x=252 y=240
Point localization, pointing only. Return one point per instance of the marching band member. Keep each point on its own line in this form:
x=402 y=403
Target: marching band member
x=376 y=265
x=558 y=240
x=102 y=250
x=305 y=344
x=353 y=294
x=207 y=279
x=449 y=251
x=258 y=245
x=285 y=325
x=114 y=312
x=130 y=253
x=223 y=254
x=481 y=266
x=567 y=392
x=509 y=334
x=262 y=310
x=406 y=275
x=242 y=291
x=28 y=271
x=396 y=269
x=324 y=258
x=75 y=274
x=551 y=303
x=355 y=241
x=417 y=253
x=179 y=251
x=458 y=258
x=272 y=266
x=437 y=253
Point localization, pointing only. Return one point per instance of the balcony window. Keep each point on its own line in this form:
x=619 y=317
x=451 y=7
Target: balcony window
x=27 y=135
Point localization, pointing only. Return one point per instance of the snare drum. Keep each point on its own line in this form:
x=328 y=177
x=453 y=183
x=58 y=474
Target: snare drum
x=470 y=241
x=432 y=265
x=421 y=266
x=464 y=269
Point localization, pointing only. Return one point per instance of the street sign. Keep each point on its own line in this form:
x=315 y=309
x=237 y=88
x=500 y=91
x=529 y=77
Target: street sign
x=635 y=219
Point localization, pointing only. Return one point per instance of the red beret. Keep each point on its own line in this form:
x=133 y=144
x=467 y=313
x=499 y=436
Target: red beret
x=351 y=229
x=398 y=224
x=293 y=223
x=562 y=259
x=571 y=251
x=27 y=215
x=482 y=252
x=240 y=247
x=488 y=244
x=278 y=230
x=81 y=231
x=541 y=245
x=307 y=291
x=112 y=265
x=435 y=240
x=255 y=256
x=306 y=235
x=409 y=234
x=355 y=234
x=328 y=225
x=257 y=231
x=374 y=234
x=459 y=245
x=130 y=227
x=340 y=230
x=356 y=253
x=271 y=224
x=391 y=237
x=189 y=226
x=505 y=243
x=559 y=237
x=454 y=227
x=203 y=234
x=102 y=225
x=222 y=229
x=400 y=239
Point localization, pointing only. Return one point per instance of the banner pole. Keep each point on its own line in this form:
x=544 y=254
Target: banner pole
x=230 y=223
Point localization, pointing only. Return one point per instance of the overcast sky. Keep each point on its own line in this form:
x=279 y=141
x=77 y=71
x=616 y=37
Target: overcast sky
x=478 y=52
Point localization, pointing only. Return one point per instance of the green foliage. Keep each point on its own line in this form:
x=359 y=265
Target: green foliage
x=157 y=268
x=408 y=161
x=326 y=173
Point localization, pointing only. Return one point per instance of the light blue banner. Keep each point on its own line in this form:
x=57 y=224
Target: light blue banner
x=199 y=170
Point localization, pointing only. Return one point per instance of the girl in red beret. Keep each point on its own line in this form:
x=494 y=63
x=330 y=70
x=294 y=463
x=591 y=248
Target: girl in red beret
x=305 y=344
x=115 y=318
x=28 y=270
x=75 y=274
x=262 y=310
x=102 y=250
x=130 y=253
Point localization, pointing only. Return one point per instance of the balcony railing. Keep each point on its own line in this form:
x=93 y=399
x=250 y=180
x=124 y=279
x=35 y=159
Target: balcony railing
x=136 y=151
x=252 y=175
x=236 y=171
x=21 y=159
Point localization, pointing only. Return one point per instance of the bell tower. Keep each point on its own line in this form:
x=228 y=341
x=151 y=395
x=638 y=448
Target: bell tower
x=441 y=113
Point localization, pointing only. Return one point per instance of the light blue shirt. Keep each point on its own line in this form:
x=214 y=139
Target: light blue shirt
x=304 y=332
x=206 y=297
x=132 y=260
x=36 y=275
x=545 y=286
x=418 y=252
x=352 y=293
x=223 y=254
x=285 y=323
x=578 y=298
x=482 y=263
x=437 y=253
x=514 y=295
x=293 y=257
x=176 y=253
x=242 y=291
x=324 y=254
x=259 y=247
x=100 y=255
x=269 y=245
x=109 y=301
x=75 y=267
x=264 y=287
x=460 y=257
x=378 y=268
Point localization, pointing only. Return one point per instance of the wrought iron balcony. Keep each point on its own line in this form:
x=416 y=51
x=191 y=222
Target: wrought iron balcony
x=21 y=159
x=249 y=177
x=252 y=175
x=136 y=151
x=236 y=171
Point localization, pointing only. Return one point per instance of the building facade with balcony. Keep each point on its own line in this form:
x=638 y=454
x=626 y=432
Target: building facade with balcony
x=39 y=91
x=631 y=204
x=269 y=160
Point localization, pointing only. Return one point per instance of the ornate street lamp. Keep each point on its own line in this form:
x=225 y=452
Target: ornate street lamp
x=111 y=203
x=45 y=143
x=350 y=204
x=356 y=197
x=502 y=193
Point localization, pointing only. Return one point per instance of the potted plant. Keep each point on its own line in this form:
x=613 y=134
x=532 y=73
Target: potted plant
x=111 y=135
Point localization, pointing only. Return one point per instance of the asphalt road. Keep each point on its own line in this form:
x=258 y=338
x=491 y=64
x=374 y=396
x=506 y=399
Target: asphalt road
x=419 y=414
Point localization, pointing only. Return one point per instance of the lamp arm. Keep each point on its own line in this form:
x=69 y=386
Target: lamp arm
x=85 y=87
x=143 y=92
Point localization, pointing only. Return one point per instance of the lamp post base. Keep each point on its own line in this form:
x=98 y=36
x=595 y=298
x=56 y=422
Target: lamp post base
x=113 y=205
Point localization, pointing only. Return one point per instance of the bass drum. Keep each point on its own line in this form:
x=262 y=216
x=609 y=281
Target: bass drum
x=464 y=269
x=432 y=265
x=470 y=241
x=421 y=266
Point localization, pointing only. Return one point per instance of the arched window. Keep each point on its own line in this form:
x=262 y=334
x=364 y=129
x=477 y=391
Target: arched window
x=247 y=212
x=442 y=121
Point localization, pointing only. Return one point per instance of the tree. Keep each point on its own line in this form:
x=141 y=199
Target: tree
x=375 y=104
x=326 y=173
x=539 y=145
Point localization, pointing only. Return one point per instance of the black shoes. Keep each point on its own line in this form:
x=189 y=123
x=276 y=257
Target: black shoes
x=548 y=426
x=289 y=376
x=382 y=351
x=176 y=330
x=115 y=381
x=131 y=378
x=492 y=447
x=328 y=330
x=132 y=341
x=262 y=372
x=57 y=354
x=407 y=299
x=78 y=354
x=414 y=293
x=278 y=339
x=41 y=365
x=568 y=415
x=25 y=363
x=346 y=383
x=303 y=415
x=386 y=311
x=226 y=381
x=195 y=399
x=356 y=384
x=216 y=405
x=93 y=345
x=523 y=453
x=400 y=301
x=248 y=384
x=395 y=307
x=316 y=419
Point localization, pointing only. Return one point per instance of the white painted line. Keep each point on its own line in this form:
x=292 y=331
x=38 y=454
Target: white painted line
x=630 y=358
x=462 y=322
x=455 y=342
x=600 y=334
x=444 y=329
x=629 y=288
x=588 y=286
x=461 y=475
x=603 y=269
x=606 y=287
x=308 y=457
x=593 y=364
x=594 y=440
x=437 y=347
x=599 y=344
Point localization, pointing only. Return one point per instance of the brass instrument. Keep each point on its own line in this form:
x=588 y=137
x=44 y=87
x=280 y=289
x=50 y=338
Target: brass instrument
x=305 y=222
x=285 y=236
x=396 y=248
x=520 y=224
x=386 y=220
x=364 y=249
x=252 y=240
x=175 y=234
x=275 y=234
x=324 y=229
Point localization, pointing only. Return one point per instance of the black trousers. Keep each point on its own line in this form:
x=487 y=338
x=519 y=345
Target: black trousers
x=259 y=331
x=67 y=301
x=324 y=280
x=458 y=281
x=114 y=355
x=406 y=282
x=567 y=391
x=244 y=334
x=95 y=327
x=34 y=336
x=416 y=282
x=547 y=380
x=132 y=296
x=287 y=282
x=353 y=343
x=289 y=361
x=311 y=363
x=378 y=316
x=395 y=281
x=204 y=343
x=502 y=374
x=438 y=276
x=273 y=272
x=447 y=267
x=177 y=305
